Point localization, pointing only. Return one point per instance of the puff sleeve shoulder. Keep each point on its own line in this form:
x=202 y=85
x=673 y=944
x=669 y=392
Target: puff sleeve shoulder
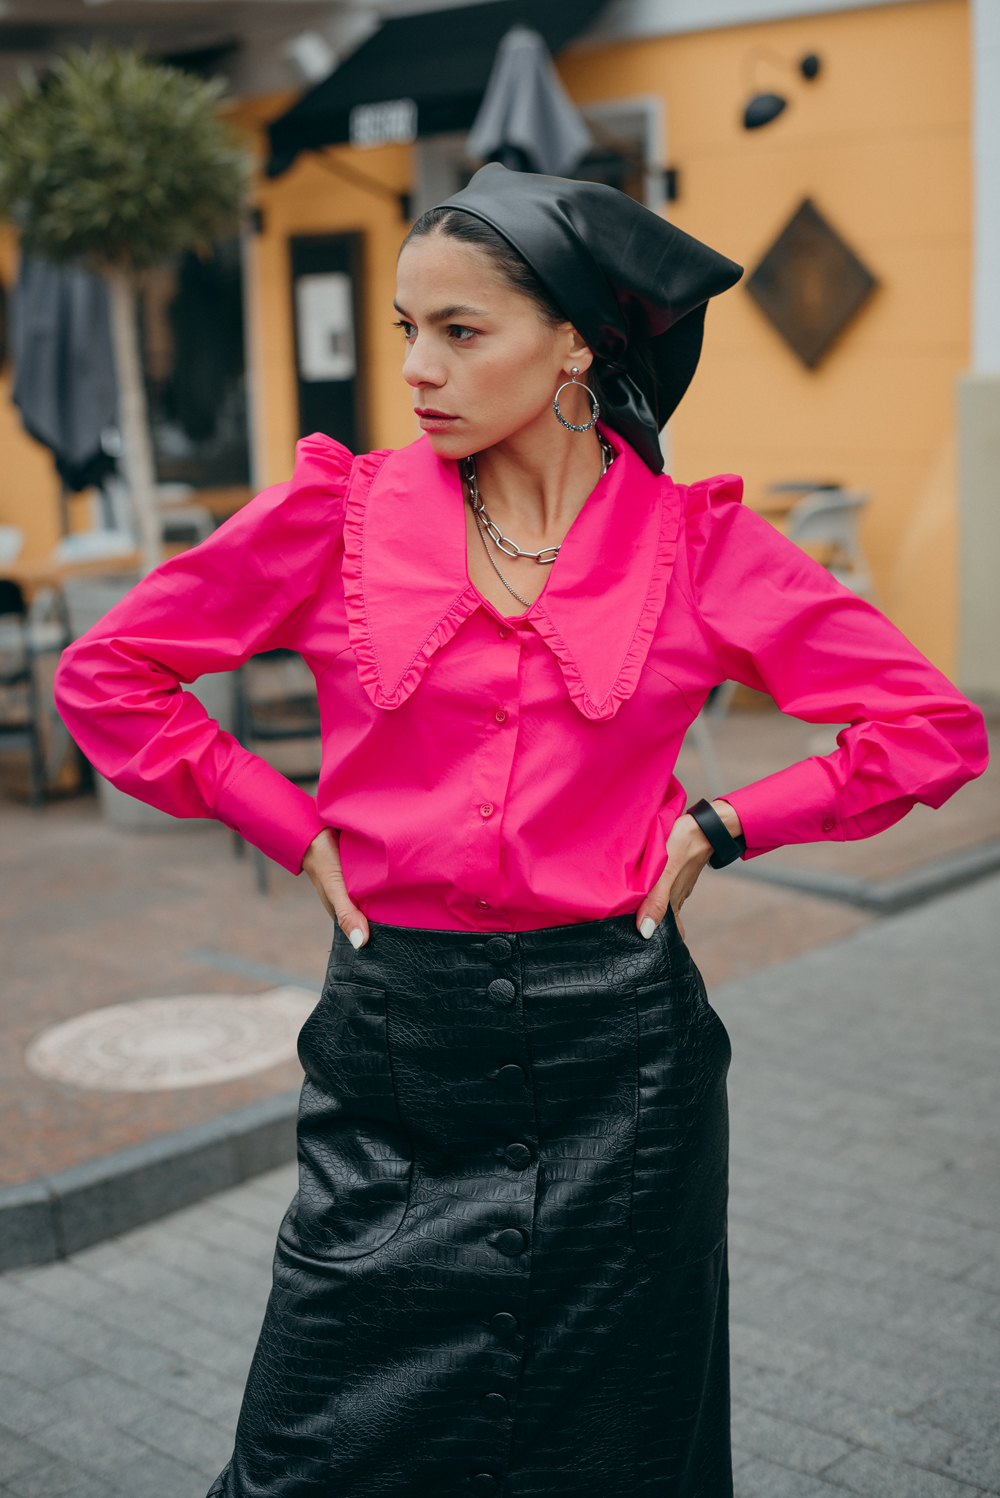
x=779 y=622
x=249 y=587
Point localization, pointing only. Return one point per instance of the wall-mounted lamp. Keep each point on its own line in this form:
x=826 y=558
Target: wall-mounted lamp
x=765 y=107
x=762 y=109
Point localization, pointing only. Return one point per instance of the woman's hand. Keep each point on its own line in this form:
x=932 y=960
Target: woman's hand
x=322 y=864
x=688 y=851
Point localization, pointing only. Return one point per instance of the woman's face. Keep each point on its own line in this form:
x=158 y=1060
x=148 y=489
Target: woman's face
x=481 y=360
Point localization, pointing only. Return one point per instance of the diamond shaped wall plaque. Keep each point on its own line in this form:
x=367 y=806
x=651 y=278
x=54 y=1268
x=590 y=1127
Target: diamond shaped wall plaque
x=810 y=284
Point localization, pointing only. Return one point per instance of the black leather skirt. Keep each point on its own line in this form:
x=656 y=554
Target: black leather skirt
x=504 y=1271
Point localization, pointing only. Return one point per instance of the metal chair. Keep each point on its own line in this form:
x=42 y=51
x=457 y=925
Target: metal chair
x=19 y=719
x=11 y=543
x=825 y=521
x=276 y=715
x=187 y=524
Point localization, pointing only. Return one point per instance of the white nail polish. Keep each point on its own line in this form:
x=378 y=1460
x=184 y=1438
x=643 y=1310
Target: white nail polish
x=648 y=927
x=356 y=937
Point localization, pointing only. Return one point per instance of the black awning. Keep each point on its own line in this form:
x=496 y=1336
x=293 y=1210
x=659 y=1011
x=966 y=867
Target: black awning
x=441 y=60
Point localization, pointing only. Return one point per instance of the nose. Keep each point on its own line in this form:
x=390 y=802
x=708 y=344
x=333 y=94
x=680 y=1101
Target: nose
x=420 y=370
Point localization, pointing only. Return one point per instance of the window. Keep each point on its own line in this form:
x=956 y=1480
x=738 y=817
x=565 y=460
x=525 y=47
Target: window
x=192 y=337
x=628 y=150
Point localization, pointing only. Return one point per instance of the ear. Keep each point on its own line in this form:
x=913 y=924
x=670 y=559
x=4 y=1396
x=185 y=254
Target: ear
x=578 y=351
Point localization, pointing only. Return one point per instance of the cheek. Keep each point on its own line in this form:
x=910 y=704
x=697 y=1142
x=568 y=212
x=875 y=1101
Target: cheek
x=516 y=379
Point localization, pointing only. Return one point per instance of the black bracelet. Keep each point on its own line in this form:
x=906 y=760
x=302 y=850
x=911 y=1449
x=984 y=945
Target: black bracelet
x=727 y=848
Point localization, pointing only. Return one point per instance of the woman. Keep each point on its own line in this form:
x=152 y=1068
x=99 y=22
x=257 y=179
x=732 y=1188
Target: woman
x=505 y=1267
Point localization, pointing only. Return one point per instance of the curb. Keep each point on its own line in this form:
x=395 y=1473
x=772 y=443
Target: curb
x=57 y=1215
x=886 y=896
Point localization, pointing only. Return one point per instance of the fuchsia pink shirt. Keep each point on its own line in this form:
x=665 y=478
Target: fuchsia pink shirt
x=493 y=774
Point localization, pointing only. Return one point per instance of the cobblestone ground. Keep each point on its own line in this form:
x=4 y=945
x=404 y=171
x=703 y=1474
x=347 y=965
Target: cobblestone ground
x=865 y=1254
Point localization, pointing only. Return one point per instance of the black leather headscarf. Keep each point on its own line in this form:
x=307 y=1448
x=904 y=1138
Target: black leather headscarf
x=634 y=286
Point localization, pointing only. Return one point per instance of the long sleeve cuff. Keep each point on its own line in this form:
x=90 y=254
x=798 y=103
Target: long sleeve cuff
x=270 y=812
x=796 y=805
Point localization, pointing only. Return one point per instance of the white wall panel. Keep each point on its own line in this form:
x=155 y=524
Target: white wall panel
x=638 y=18
x=986 y=185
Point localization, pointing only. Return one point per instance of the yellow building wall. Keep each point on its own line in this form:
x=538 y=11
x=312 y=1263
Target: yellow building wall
x=880 y=142
x=29 y=485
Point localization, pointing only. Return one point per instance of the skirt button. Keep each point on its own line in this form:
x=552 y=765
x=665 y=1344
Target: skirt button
x=484 y=1485
x=511 y=1241
x=511 y=1077
x=518 y=1156
x=503 y=1324
x=498 y=950
x=494 y=1405
x=502 y=992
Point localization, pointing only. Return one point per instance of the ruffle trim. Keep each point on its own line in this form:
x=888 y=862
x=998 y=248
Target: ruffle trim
x=363 y=475
x=637 y=649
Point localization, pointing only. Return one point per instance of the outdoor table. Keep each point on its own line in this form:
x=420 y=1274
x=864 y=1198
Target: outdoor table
x=221 y=502
x=30 y=576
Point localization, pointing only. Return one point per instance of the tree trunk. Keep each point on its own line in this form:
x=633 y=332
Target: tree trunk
x=133 y=416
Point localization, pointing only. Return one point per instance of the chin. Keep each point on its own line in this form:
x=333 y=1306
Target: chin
x=451 y=444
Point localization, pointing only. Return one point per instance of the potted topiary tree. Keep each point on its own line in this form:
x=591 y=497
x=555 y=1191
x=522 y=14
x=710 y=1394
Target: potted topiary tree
x=119 y=163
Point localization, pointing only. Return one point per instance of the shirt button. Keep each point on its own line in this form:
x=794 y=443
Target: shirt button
x=511 y=1077
x=502 y=992
x=500 y=715
x=486 y=810
x=503 y=1324
x=503 y=632
x=511 y=1241
x=494 y=1405
x=518 y=1156
x=828 y=824
x=482 y=904
x=484 y=1484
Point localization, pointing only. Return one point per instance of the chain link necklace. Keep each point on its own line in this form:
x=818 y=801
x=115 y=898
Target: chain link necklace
x=486 y=527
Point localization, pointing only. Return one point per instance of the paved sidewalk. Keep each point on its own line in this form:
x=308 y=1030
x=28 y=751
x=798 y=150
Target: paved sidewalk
x=865 y=1254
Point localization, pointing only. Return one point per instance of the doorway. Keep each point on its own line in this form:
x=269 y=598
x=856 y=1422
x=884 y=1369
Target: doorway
x=326 y=299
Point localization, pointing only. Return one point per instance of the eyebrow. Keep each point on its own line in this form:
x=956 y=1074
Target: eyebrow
x=448 y=312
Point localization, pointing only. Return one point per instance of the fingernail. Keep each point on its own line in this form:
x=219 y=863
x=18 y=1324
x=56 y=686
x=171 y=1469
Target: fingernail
x=648 y=927
x=356 y=937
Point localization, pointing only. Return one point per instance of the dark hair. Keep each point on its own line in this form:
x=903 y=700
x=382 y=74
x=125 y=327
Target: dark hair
x=512 y=266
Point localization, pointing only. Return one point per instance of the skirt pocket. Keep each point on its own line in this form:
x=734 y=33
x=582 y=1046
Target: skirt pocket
x=355 y=1158
x=680 y=1174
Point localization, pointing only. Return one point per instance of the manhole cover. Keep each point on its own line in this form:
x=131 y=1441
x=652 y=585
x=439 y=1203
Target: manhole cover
x=155 y=1044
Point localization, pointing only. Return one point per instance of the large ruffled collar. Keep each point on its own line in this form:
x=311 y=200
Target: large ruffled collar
x=407 y=587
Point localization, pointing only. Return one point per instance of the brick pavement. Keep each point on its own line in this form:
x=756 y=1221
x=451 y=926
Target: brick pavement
x=865 y=1254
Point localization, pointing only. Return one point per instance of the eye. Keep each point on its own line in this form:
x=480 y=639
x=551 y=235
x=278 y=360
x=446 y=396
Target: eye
x=459 y=333
x=408 y=329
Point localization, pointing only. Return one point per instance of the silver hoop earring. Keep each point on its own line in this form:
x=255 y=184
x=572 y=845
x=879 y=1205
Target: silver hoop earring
x=596 y=409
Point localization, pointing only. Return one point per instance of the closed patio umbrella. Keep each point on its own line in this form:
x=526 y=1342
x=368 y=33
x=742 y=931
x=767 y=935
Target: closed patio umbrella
x=527 y=121
x=65 y=384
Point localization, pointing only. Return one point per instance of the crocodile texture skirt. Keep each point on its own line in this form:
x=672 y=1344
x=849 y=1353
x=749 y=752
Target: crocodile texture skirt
x=504 y=1271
